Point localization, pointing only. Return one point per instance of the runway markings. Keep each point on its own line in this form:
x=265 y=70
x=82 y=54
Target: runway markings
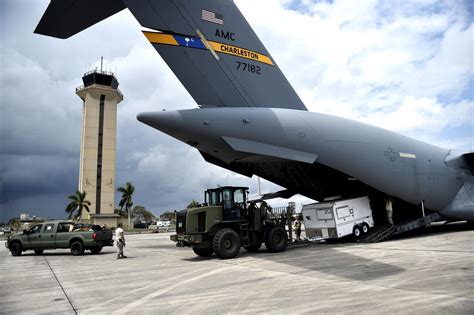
x=130 y=307
x=60 y=285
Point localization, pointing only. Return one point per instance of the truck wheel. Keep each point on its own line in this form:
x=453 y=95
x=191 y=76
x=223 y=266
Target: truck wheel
x=356 y=231
x=276 y=240
x=16 y=249
x=39 y=251
x=365 y=228
x=96 y=250
x=253 y=248
x=203 y=252
x=226 y=243
x=77 y=248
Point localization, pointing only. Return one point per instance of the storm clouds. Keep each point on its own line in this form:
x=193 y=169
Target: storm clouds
x=404 y=67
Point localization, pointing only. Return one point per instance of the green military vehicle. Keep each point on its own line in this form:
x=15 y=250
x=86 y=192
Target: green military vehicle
x=225 y=222
x=60 y=234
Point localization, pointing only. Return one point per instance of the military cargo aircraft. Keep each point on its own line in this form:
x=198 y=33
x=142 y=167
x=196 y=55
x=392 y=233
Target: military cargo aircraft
x=251 y=121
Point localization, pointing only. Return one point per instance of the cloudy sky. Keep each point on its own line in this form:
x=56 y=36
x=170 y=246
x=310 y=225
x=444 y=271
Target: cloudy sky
x=402 y=65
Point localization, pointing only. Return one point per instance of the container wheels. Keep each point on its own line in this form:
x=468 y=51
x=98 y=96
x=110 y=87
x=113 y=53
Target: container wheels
x=356 y=231
x=365 y=228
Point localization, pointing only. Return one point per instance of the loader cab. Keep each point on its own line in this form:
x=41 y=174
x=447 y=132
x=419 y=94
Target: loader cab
x=233 y=201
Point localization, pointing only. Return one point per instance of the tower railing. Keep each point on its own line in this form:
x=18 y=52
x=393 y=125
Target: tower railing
x=82 y=87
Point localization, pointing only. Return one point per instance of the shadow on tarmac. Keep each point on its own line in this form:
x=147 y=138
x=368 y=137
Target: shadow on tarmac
x=329 y=260
x=326 y=257
x=438 y=228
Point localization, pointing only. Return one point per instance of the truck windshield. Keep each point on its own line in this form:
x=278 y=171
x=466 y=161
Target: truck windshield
x=214 y=198
x=227 y=199
x=36 y=228
x=239 y=196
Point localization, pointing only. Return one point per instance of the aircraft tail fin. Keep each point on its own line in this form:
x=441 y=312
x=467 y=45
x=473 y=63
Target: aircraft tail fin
x=208 y=44
x=64 y=18
x=214 y=52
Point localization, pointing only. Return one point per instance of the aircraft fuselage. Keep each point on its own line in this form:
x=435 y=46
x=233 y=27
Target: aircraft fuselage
x=396 y=165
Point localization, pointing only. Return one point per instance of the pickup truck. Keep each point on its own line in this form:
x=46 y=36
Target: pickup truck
x=60 y=234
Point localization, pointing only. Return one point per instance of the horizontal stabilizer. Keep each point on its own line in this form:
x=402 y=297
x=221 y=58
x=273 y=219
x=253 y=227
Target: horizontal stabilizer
x=462 y=160
x=462 y=206
x=285 y=194
x=270 y=150
x=467 y=161
x=64 y=18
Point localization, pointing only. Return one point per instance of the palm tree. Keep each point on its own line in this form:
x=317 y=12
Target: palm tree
x=120 y=213
x=193 y=204
x=126 y=199
x=78 y=204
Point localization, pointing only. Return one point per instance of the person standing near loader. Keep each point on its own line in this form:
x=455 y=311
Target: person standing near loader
x=120 y=240
x=297 y=228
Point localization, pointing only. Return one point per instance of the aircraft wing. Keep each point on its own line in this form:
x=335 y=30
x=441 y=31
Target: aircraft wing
x=64 y=18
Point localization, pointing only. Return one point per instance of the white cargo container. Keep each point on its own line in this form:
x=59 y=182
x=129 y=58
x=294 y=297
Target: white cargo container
x=338 y=218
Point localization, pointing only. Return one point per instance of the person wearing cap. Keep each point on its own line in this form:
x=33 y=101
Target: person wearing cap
x=120 y=240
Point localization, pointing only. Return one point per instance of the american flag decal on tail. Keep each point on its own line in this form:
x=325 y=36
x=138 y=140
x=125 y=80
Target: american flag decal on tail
x=212 y=17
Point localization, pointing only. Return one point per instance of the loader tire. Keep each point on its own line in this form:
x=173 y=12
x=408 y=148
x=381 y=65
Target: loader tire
x=276 y=239
x=226 y=243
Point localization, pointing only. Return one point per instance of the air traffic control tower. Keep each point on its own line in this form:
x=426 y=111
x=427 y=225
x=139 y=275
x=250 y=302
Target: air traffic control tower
x=101 y=95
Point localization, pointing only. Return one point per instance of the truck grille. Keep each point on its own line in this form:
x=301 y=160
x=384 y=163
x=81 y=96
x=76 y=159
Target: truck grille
x=202 y=222
x=181 y=222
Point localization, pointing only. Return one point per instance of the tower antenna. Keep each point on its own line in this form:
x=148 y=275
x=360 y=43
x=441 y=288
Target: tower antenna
x=101 y=62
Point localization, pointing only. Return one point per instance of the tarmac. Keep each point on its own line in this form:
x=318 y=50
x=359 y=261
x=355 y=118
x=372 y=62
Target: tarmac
x=428 y=272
